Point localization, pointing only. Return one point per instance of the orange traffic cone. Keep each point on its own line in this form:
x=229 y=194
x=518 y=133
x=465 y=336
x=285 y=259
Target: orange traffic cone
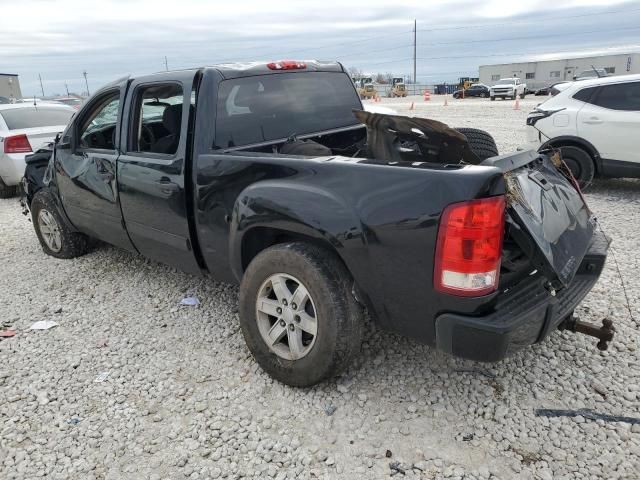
x=412 y=107
x=427 y=96
x=516 y=106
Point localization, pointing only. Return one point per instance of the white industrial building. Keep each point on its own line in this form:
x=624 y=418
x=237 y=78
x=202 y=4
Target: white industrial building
x=9 y=87
x=541 y=74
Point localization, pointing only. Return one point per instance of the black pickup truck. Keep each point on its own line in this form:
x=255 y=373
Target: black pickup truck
x=272 y=176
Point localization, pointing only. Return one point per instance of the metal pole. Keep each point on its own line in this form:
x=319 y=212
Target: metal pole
x=166 y=64
x=415 y=36
x=41 y=87
x=86 y=82
x=66 y=88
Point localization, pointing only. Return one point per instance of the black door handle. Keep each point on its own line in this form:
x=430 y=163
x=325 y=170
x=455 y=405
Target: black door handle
x=168 y=186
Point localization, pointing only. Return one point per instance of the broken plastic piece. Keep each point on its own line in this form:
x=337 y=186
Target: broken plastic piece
x=8 y=333
x=190 y=301
x=101 y=377
x=43 y=325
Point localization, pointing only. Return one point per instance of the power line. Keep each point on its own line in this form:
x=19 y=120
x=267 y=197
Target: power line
x=520 y=22
x=452 y=27
x=528 y=37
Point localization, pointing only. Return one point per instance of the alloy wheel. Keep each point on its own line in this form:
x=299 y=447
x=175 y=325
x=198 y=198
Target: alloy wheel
x=50 y=230
x=286 y=316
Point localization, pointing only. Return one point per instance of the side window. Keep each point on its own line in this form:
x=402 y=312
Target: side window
x=157 y=120
x=585 y=94
x=621 y=96
x=98 y=129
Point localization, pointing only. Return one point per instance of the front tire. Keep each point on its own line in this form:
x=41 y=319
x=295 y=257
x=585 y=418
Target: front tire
x=53 y=233
x=298 y=315
x=580 y=163
x=493 y=99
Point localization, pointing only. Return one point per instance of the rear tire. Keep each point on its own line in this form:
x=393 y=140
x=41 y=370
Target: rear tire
x=522 y=96
x=482 y=143
x=6 y=191
x=53 y=233
x=337 y=317
x=580 y=163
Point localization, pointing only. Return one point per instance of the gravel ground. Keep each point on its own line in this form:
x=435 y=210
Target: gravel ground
x=184 y=399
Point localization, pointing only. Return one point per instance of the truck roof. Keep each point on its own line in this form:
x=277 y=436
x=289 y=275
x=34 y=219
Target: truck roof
x=247 y=69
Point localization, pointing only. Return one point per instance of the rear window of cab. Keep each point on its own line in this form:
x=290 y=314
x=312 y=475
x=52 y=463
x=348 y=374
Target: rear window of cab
x=266 y=108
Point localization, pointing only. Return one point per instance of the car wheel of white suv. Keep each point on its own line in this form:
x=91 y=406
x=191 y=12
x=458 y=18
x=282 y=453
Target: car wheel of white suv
x=580 y=163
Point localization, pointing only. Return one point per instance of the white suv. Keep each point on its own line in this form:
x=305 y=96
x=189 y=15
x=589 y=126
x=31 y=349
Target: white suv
x=595 y=123
x=508 y=88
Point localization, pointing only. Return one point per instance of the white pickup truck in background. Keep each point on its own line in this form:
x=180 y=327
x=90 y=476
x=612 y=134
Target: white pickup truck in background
x=508 y=88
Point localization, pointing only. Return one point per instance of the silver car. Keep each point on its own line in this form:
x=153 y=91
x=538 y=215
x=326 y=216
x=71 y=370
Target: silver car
x=24 y=128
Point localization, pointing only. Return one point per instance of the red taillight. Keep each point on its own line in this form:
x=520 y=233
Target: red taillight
x=287 y=65
x=469 y=247
x=17 y=144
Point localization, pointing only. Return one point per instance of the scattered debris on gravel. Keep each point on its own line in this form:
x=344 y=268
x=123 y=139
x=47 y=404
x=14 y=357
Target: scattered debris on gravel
x=180 y=396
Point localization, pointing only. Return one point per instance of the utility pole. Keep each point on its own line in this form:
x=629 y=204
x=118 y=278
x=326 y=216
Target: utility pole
x=86 y=82
x=415 y=36
x=41 y=87
x=166 y=64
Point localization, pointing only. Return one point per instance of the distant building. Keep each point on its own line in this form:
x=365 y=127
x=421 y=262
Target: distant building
x=10 y=87
x=544 y=73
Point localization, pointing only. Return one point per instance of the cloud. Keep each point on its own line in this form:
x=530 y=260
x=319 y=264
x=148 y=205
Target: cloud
x=112 y=38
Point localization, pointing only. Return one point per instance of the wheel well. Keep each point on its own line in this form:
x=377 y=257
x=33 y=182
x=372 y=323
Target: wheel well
x=567 y=142
x=260 y=238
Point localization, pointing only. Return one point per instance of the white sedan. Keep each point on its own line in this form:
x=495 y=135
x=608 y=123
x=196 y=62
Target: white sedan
x=24 y=128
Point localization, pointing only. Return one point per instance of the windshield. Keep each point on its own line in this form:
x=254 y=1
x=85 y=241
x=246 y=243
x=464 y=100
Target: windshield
x=265 y=108
x=19 y=118
x=506 y=82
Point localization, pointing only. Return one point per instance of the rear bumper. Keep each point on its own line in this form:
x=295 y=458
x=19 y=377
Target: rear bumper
x=523 y=315
x=12 y=168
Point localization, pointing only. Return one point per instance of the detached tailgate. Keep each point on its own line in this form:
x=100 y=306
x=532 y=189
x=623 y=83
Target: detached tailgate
x=553 y=224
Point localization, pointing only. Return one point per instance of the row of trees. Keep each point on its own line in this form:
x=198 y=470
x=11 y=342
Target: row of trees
x=380 y=78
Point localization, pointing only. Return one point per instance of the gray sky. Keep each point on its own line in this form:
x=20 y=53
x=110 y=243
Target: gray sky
x=112 y=38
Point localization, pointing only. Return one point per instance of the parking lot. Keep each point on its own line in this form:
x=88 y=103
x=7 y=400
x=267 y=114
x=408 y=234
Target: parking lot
x=183 y=397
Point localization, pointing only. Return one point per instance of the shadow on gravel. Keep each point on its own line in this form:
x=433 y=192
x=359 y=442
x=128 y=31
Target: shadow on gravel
x=615 y=186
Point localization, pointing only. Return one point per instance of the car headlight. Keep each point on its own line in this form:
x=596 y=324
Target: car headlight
x=539 y=114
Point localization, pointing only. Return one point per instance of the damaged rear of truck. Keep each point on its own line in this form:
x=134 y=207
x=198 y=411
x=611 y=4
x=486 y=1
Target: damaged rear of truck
x=318 y=209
